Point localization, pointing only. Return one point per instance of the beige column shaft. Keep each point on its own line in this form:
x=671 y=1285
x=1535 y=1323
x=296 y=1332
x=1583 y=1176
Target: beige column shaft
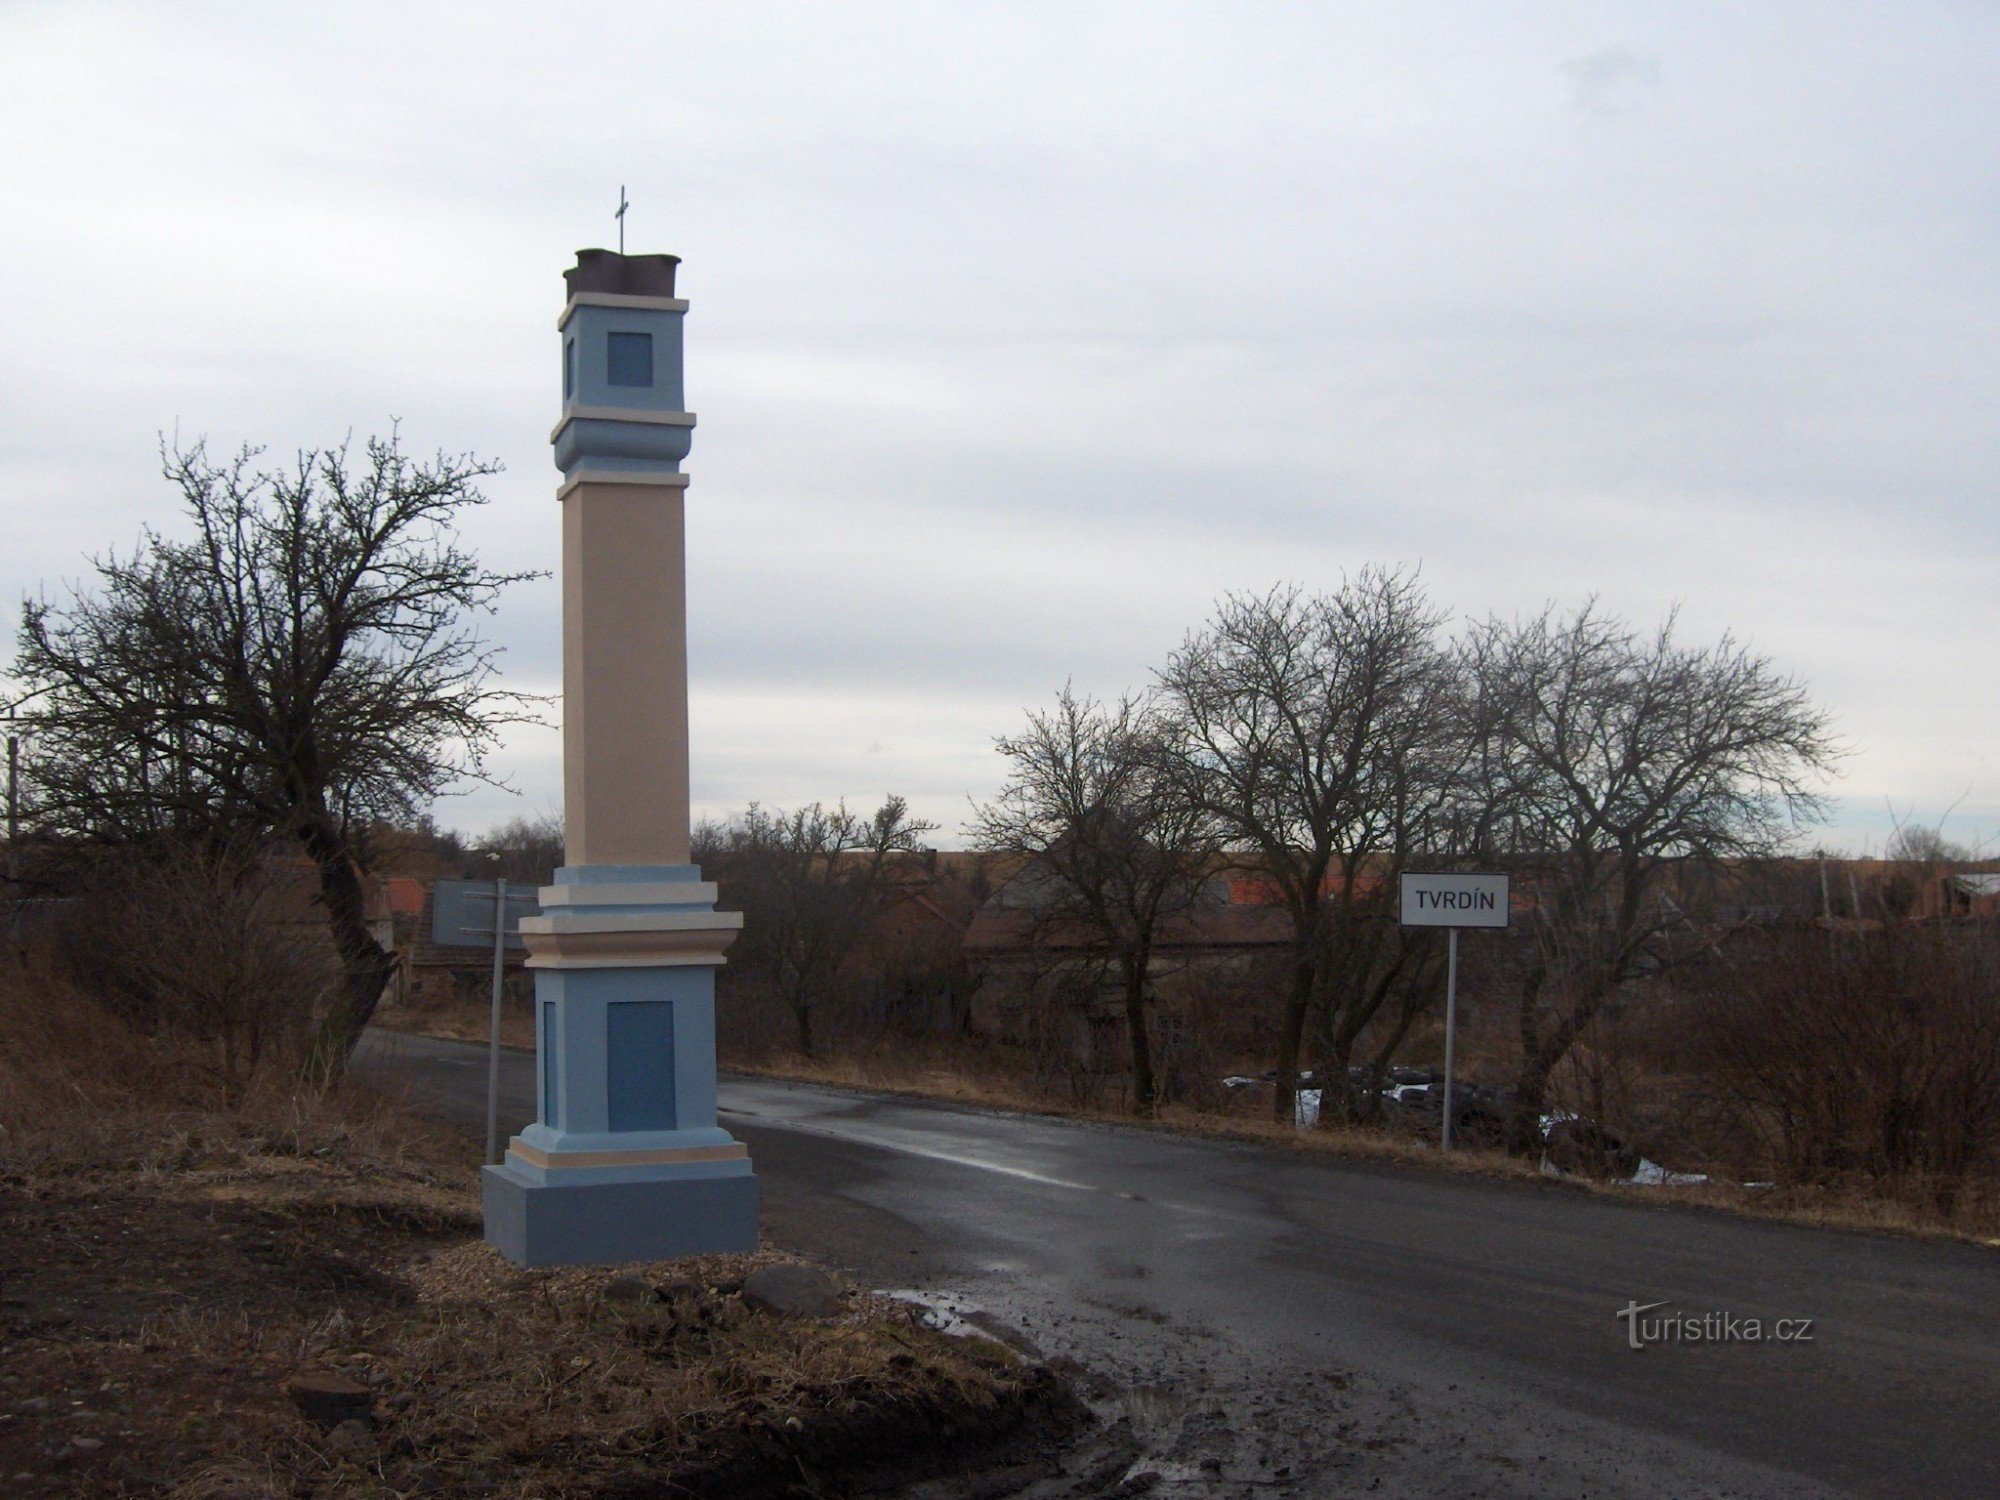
x=625 y=731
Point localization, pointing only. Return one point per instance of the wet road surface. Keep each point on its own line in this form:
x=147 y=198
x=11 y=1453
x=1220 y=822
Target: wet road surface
x=1264 y=1323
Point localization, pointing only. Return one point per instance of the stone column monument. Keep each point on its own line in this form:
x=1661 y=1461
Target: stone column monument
x=625 y=1160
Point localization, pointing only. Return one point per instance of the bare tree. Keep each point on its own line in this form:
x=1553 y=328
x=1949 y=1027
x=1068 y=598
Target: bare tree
x=810 y=883
x=1317 y=729
x=1622 y=769
x=299 y=667
x=1921 y=844
x=522 y=851
x=1118 y=850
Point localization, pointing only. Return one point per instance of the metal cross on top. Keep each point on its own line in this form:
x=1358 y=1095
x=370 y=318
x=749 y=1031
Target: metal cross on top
x=620 y=217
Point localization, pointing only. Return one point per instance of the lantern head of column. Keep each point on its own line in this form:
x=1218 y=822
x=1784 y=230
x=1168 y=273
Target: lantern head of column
x=621 y=368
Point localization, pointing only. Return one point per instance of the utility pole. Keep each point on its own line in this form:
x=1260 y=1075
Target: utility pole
x=13 y=799
x=14 y=785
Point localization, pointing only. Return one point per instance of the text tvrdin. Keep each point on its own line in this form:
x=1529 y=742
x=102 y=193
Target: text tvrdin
x=1456 y=900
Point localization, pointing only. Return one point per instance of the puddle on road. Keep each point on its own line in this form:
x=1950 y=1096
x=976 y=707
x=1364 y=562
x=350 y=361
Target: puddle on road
x=961 y=1318
x=943 y=1312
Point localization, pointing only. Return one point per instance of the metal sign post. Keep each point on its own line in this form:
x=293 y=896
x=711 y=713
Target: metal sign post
x=456 y=901
x=1452 y=901
x=493 y=1040
x=1450 y=1033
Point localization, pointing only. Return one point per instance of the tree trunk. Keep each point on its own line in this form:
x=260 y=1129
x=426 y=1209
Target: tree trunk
x=1524 y=1129
x=365 y=965
x=1285 y=1097
x=802 y=1012
x=1538 y=1066
x=1144 y=1091
x=1378 y=1066
x=1336 y=1099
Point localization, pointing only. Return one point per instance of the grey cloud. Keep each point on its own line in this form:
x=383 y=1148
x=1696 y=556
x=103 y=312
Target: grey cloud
x=1612 y=80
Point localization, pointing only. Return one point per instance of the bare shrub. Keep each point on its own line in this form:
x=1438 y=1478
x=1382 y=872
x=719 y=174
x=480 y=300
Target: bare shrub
x=810 y=883
x=1069 y=1044
x=209 y=949
x=64 y=1052
x=1873 y=1060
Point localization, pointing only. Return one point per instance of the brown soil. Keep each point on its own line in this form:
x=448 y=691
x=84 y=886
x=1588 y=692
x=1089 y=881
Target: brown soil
x=152 y=1313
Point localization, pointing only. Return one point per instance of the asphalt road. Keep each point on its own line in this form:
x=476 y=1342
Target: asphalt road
x=1270 y=1324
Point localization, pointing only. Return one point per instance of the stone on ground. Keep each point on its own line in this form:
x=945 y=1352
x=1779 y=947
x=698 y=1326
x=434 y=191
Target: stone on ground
x=791 y=1291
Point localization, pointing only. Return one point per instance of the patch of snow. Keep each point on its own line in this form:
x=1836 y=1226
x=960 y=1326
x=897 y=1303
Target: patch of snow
x=1652 y=1174
x=947 y=1314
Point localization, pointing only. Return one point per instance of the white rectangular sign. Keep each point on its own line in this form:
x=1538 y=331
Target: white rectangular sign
x=1454 y=900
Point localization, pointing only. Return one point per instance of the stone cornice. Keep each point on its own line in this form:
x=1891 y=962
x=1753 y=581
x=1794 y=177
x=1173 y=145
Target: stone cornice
x=633 y=893
x=558 y=1160
x=622 y=414
x=628 y=940
x=622 y=476
x=617 y=299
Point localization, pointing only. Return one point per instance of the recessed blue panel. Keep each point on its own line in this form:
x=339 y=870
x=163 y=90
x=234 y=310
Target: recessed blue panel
x=548 y=1056
x=569 y=368
x=629 y=359
x=639 y=1064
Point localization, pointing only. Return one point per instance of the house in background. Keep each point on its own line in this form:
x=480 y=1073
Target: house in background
x=431 y=974
x=1964 y=896
x=1045 y=983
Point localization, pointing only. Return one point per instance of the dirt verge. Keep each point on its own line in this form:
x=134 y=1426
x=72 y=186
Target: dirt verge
x=156 y=1314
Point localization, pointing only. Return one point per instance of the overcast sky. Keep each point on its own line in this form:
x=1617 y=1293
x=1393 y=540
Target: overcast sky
x=1019 y=333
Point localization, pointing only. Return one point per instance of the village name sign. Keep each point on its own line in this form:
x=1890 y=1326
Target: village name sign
x=1436 y=899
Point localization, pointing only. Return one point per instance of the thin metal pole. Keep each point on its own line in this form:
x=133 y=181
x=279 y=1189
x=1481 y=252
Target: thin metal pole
x=493 y=1044
x=1450 y=1030
x=13 y=803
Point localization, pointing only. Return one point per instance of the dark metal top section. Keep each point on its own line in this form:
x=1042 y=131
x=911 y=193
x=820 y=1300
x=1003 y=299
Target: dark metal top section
x=623 y=275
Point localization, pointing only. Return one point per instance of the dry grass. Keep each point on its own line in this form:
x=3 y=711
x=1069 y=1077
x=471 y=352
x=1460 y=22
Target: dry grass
x=1859 y=1206
x=461 y=1021
x=168 y=1265
x=984 y=1079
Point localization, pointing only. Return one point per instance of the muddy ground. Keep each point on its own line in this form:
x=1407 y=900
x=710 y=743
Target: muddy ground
x=153 y=1322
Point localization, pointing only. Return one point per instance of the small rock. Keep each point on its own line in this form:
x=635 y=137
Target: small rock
x=792 y=1291
x=353 y=1441
x=86 y=1445
x=328 y=1400
x=626 y=1289
x=35 y=1403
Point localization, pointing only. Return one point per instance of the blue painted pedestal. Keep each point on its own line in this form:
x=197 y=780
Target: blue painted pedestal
x=625 y=1160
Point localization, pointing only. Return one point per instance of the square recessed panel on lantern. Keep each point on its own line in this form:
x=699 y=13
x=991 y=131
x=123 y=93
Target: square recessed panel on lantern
x=629 y=359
